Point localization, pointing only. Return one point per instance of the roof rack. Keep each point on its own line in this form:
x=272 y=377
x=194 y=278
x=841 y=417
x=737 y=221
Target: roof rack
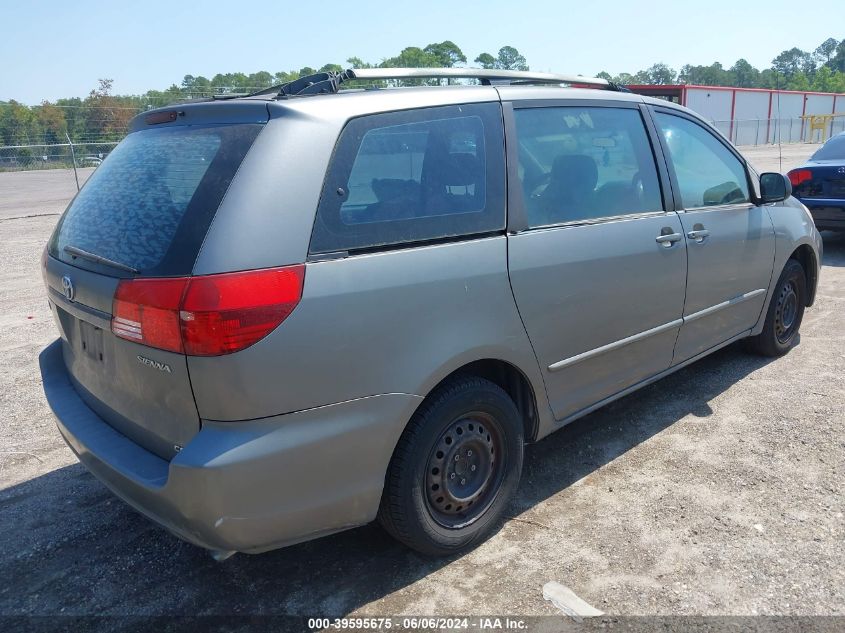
x=329 y=82
x=485 y=75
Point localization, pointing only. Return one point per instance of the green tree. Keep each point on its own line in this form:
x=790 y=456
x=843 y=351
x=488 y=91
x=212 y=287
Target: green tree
x=357 y=62
x=507 y=59
x=486 y=60
x=52 y=122
x=74 y=115
x=261 y=79
x=799 y=81
x=412 y=57
x=241 y=82
x=202 y=85
x=196 y=86
x=24 y=156
x=744 y=74
x=510 y=59
x=220 y=81
x=713 y=75
x=826 y=50
x=657 y=74
x=283 y=77
x=447 y=53
x=18 y=125
x=793 y=61
x=824 y=80
x=769 y=79
x=837 y=62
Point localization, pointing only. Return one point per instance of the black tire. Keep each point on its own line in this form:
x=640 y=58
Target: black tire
x=467 y=440
x=786 y=311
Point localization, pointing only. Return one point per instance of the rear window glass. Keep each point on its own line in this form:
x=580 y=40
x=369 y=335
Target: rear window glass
x=413 y=176
x=150 y=203
x=834 y=149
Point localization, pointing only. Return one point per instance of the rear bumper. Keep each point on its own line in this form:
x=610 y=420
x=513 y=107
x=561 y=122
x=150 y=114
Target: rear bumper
x=828 y=214
x=244 y=486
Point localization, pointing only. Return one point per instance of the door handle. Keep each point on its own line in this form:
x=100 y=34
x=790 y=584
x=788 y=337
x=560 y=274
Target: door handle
x=668 y=239
x=698 y=235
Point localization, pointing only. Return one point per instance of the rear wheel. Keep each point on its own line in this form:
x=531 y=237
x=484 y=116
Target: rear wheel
x=786 y=311
x=454 y=469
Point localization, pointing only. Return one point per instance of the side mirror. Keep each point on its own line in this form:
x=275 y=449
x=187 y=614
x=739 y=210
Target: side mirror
x=774 y=187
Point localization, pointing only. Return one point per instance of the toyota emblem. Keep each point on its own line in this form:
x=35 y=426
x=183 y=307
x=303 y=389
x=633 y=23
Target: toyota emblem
x=67 y=288
x=841 y=170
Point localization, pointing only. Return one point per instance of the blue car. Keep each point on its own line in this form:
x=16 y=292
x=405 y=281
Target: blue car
x=820 y=184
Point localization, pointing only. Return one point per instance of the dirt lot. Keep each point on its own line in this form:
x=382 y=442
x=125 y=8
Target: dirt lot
x=718 y=490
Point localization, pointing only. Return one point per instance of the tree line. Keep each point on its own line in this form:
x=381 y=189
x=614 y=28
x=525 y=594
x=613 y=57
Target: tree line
x=445 y=54
x=103 y=116
x=822 y=70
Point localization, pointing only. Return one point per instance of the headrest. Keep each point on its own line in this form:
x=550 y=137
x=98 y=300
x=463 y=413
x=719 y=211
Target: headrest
x=576 y=172
x=460 y=170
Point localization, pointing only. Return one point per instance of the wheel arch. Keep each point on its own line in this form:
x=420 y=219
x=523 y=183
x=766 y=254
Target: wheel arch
x=806 y=256
x=511 y=379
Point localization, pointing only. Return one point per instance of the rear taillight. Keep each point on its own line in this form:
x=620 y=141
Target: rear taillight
x=798 y=176
x=207 y=315
x=221 y=314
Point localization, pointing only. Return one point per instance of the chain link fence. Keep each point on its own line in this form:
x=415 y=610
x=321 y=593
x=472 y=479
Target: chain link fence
x=54 y=155
x=59 y=136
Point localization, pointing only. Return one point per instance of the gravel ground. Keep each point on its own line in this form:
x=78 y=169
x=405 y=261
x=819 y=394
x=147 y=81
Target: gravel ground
x=768 y=158
x=38 y=192
x=718 y=490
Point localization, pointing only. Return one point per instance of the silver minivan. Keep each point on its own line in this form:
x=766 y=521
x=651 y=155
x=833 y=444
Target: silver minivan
x=296 y=312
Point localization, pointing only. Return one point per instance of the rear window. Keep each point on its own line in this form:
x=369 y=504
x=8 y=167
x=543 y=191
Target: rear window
x=150 y=203
x=834 y=149
x=413 y=176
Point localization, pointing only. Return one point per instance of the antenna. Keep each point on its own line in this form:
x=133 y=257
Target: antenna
x=780 y=123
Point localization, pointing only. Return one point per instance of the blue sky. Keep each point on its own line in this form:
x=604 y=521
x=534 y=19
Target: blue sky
x=56 y=48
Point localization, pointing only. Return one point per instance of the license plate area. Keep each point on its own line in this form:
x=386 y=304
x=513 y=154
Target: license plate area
x=91 y=341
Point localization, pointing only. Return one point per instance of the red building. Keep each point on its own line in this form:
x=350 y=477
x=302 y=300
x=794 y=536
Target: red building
x=752 y=116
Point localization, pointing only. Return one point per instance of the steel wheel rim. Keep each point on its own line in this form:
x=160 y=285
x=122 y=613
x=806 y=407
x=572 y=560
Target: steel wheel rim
x=464 y=470
x=786 y=312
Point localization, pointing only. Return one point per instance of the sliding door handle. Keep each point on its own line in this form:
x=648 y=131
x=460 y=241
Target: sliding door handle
x=699 y=235
x=668 y=239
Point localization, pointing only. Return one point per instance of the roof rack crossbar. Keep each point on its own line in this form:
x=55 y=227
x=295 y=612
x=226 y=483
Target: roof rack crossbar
x=329 y=82
x=485 y=75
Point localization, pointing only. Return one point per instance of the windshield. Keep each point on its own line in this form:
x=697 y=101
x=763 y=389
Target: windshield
x=834 y=149
x=150 y=203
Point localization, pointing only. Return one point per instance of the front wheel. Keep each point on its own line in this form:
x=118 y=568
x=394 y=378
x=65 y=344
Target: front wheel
x=786 y=311
x=454 y=469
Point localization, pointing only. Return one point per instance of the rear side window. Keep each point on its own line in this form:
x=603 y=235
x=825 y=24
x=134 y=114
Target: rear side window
x=580 y=164
x=708 y=173
x=150 y=203
x=413 y=176
x=834 y=149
